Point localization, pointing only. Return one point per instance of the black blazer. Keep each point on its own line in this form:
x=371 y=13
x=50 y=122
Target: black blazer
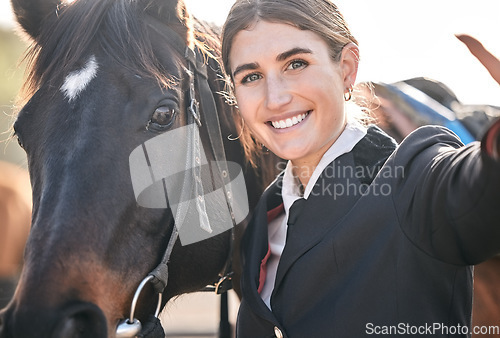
x=384 y=243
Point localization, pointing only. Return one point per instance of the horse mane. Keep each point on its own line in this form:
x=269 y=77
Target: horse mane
x=64 y=43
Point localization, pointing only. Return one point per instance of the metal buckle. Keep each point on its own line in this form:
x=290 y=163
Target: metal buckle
x=193 y=109
x=224 y=284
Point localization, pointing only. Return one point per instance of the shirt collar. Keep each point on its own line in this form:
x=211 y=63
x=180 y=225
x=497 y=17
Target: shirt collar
x=291 y=190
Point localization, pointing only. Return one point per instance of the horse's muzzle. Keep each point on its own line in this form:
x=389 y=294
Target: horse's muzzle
x=79 y=320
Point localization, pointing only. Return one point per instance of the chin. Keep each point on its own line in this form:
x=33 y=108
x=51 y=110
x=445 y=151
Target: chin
x=290 y=156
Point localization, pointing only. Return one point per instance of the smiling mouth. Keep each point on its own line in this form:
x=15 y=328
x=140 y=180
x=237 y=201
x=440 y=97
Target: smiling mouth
x=289 y=122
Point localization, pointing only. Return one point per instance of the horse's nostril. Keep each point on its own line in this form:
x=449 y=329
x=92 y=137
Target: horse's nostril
x=82 y=321
x=71 y=327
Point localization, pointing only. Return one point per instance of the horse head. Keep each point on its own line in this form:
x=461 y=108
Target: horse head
x=106 y=77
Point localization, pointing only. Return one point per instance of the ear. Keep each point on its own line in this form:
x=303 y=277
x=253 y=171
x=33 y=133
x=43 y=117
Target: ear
x=175 y=14
x=169 y=11
x=349 y=62
x=32 y=14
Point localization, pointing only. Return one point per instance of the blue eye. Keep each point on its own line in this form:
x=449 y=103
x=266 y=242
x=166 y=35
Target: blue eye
x=296 y=64
x=251 y=78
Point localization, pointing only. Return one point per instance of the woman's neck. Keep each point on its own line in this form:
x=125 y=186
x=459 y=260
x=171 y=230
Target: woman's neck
x=302 y=169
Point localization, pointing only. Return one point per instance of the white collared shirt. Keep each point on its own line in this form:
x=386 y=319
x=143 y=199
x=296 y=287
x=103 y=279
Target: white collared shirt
x=277 y=228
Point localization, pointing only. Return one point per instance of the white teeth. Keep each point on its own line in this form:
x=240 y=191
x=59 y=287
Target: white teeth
x=289 y=122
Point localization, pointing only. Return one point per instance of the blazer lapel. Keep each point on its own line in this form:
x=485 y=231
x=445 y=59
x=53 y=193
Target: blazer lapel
x=336 y=192
x=256 y=247
x=323 y=211
x=327 y=204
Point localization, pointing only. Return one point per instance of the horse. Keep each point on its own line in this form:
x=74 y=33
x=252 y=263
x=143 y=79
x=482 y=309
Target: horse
x=106 y=79
x=15 y=220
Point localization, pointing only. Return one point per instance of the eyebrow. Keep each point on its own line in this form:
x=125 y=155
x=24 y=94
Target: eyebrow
x=281 y=57
x=246 y=66
x=294 y=51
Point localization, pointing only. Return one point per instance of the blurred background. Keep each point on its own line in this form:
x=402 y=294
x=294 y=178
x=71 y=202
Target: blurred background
x=398 y=40
x=11 y=75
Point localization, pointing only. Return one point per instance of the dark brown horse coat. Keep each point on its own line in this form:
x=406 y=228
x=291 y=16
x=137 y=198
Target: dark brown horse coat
x=392 y=256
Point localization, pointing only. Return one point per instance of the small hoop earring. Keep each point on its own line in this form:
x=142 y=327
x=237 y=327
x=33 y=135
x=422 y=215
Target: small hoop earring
x=230 y=136
x=348 y=95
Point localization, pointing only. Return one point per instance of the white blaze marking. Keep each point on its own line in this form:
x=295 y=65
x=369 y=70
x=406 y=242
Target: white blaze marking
x=76 y=81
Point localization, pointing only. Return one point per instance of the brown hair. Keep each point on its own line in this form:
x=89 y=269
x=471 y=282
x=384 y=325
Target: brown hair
x=319 y=16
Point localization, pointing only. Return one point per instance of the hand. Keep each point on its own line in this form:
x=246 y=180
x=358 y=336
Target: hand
x=496 y=148
x=492 y=141
x=489 y=61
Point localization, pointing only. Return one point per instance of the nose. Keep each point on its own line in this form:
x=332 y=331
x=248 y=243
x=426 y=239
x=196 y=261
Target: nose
x=278 y=93
x=80 y=320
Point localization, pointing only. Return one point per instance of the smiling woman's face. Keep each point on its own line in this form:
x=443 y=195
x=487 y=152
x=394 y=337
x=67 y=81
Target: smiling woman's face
x=289 y=90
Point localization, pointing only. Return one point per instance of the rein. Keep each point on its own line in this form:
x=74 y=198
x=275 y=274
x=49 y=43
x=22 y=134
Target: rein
x=197 y=69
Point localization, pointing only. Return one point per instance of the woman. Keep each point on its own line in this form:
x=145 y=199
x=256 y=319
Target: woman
x=385 y=235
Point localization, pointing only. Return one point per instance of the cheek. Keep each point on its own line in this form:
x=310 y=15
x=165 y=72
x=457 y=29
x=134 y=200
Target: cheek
x=248 y=111
x=330 y=82
x=330 y=98
x=246 y=106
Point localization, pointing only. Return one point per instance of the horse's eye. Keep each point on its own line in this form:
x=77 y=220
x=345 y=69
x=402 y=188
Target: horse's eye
x=20 y=142
x=163 y=115
x=163 y=118
x=16 y=135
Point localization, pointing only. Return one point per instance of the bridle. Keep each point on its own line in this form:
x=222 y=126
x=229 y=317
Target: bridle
x=198 y=83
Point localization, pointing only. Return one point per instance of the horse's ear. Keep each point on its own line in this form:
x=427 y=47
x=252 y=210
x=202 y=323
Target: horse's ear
x=169 y=11
x=173 y=13
x=32 y=14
